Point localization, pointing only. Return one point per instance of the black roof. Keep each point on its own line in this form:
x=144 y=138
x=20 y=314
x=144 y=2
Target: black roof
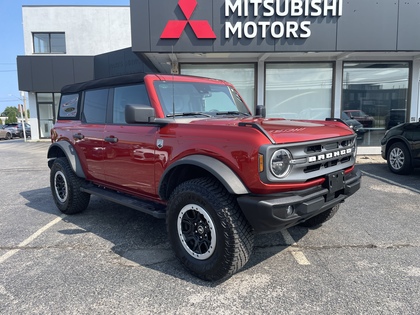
x=106 y=82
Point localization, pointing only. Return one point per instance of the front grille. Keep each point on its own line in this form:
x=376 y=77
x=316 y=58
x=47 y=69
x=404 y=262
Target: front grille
x=315 y=159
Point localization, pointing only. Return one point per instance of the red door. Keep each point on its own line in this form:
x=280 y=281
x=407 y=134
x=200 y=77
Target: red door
x=129 y=158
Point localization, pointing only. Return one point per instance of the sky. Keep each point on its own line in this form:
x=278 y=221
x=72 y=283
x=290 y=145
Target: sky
x=11 y=42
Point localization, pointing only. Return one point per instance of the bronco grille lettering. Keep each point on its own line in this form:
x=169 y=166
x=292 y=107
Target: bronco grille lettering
x=327 y=156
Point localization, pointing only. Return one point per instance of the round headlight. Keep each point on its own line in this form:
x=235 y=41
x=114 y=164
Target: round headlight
x=280 y=163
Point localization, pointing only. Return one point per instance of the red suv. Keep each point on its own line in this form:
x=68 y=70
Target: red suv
x=188 y=150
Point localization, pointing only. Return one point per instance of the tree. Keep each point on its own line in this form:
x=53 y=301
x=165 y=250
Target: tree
x=11 y=113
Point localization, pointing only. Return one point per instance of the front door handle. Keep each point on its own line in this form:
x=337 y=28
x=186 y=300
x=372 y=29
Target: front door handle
x=111 y=139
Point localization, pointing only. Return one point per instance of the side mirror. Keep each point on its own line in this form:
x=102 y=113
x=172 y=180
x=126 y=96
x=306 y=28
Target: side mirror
x=260 y=111
x=143 y=114
x=139 y=114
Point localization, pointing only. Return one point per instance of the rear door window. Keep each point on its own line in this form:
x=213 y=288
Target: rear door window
x=95 y=106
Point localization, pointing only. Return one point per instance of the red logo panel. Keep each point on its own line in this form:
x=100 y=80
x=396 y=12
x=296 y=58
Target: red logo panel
x=174 y=28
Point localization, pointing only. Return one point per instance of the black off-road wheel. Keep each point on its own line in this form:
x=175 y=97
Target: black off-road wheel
x=65 y=188
x=207 y=230
x=321 y=218
x=398 y=159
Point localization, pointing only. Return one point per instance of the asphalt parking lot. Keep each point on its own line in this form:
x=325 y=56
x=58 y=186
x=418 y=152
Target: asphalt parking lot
x=114 y=260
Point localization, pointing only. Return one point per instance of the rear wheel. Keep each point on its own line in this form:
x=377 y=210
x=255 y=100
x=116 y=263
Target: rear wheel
x=398 y=159
x=8 y=136
x=65 y=188
x=207 y=230
x=321 y=218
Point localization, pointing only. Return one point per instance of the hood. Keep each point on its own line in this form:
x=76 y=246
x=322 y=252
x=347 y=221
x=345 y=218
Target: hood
x=286 y=131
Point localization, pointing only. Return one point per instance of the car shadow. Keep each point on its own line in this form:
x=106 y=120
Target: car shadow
x=380 y=171
x=140 y=239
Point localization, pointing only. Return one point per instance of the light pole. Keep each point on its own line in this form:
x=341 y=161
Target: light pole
x=23 y=95
x=23 y=122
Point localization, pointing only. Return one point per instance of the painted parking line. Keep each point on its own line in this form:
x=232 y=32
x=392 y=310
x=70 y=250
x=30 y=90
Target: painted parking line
x=297 y=254
x=390 y=182
x=30 y=239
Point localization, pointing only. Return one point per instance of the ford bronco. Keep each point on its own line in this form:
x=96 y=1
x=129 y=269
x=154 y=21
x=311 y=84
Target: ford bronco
x=188 y=150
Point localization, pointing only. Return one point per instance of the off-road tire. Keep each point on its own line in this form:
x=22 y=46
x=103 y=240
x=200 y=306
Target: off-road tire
x=398 y=159
x=203 y=208
x=319 y=219
x=65 y=188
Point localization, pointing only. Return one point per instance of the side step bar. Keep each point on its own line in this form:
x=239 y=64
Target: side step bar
x=154 y=209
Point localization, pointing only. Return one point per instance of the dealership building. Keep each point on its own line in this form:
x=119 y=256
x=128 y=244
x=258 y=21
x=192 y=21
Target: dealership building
x=301 y=59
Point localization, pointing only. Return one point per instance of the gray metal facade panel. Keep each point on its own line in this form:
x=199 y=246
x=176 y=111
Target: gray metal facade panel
x=323 y=36
x=101 y=66
x=140 y=25
x=83 y=69
x=42 y=74
x=161 y=11
x=51 y=73
x=368 y=25
x=62 y=71
x=24 y=73
x=118 y=62
x=365 y=25
x=409 y=25
x=221 y=44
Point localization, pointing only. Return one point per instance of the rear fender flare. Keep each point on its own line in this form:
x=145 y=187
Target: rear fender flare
x=57 y=149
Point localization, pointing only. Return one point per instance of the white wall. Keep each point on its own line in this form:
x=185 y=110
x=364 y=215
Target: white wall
x=89 y=30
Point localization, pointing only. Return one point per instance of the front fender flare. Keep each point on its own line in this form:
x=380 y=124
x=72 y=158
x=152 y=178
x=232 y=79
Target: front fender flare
x=219 y=170
x=70 y=153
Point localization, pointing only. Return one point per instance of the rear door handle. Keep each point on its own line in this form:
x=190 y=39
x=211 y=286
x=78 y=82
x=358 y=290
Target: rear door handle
x=111 y=139
x=78 y=136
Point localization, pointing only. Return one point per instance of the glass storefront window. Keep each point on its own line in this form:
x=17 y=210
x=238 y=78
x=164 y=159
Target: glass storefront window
x=375 y=95
x=242 y=76
x=299 y=90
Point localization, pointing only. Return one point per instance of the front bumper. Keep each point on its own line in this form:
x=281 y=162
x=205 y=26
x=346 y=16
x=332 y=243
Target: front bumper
x=270 y=213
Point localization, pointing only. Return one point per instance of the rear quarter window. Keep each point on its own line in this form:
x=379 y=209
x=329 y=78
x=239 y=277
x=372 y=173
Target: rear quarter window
x=69 y=106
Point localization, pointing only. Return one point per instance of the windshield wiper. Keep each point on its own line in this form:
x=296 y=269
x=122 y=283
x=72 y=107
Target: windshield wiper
x=189 y=114
x=232 y=113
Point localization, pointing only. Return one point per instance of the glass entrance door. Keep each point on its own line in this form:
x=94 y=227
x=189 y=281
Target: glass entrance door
x=46 y=121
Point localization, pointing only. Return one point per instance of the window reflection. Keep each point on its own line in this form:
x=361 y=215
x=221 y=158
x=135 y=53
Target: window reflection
x=242 y=76
x=375 y=94
x=299 y=91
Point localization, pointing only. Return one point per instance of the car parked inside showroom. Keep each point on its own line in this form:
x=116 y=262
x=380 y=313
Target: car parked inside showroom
x=400 y=147
x=355 y=125
x=366 y=120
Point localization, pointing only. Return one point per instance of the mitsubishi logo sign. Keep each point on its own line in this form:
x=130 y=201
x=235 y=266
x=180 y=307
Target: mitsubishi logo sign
x=201 y=28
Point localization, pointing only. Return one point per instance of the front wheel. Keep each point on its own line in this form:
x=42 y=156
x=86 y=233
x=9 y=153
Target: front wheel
x=207 y=230
x=319 y=219
x=398 y=159
x=65 y=188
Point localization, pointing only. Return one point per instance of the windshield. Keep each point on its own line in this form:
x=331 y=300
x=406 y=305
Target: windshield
x=192 y=98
